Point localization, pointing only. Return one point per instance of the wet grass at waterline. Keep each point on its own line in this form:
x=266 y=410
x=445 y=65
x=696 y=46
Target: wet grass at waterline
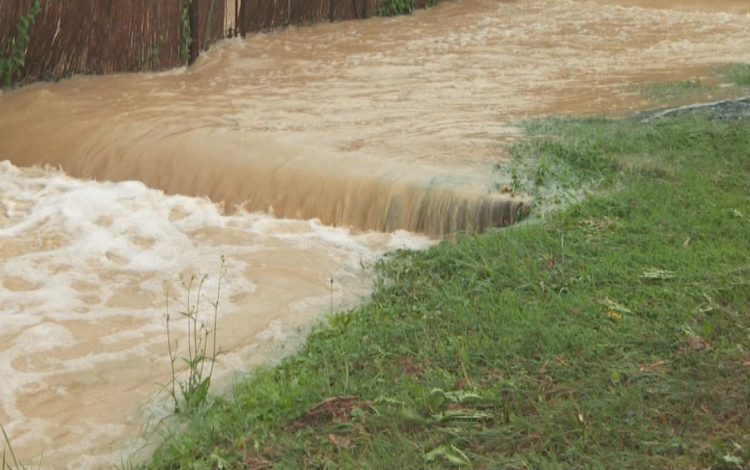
x=738 y=74
x=614 y=333
x=673 y=90
x=726 y=81
x=8 y=459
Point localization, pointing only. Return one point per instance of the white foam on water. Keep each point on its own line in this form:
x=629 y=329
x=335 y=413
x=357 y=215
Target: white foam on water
x=84 y=268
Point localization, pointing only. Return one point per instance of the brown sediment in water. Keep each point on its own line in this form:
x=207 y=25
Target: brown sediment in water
x=713 y=6
x=381 y=124
x=285 y=179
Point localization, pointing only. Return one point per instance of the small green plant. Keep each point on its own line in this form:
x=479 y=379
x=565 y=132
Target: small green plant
x=11 y=66
x=515 y=180
x=542 y=171
x=153 y=58
x=395 y=7
x=193 y=391
x=126 y=464
x=187 y=38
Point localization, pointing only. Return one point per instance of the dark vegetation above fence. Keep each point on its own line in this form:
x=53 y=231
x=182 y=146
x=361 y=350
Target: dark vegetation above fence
x=45 y=39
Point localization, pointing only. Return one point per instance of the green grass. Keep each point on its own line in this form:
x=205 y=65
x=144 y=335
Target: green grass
x=739 y=74
x=614 y=333
x=694 y=89
x=672 y=91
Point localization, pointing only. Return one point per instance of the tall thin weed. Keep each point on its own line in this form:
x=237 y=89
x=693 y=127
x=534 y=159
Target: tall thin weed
x=8 y=459
x=200 y=361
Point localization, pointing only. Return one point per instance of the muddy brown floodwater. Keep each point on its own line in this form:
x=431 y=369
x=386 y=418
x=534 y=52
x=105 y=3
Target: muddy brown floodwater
x=380 y=128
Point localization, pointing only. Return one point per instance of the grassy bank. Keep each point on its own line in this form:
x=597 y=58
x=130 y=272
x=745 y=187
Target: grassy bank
x=674 y=90
x=612 y=334
x=738 y=74
x=727 y=81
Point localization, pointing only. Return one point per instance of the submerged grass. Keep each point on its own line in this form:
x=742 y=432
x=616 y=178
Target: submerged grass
x=8 y=460
x=733 y=80
x=673 y=91
x=611 y=334
x=739 y=74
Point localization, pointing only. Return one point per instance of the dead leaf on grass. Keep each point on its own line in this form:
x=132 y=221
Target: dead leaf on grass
x=330 y=409
x=655 y=274
x=613 y=306
x=256 y=463
x=616 y=316
x=339 y=442
x=410 y=367
x=651 y=367
x=452 y=454
x=698 y=344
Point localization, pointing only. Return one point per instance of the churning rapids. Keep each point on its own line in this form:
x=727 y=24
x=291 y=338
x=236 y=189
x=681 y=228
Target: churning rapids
x=342 y=141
